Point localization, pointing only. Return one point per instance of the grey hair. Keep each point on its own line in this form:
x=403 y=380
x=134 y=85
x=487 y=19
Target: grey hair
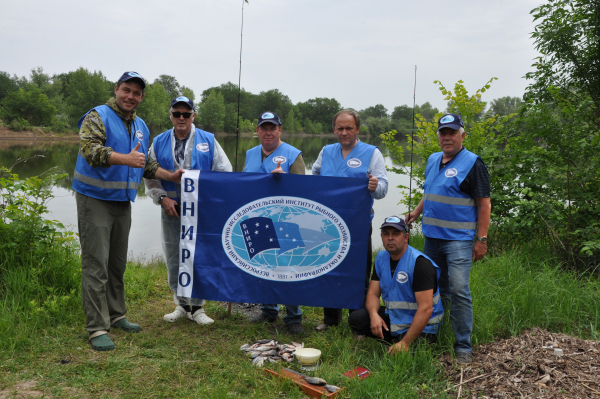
x=350 y=112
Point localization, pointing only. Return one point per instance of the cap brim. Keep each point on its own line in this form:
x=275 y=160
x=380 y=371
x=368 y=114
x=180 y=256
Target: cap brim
x=182 y=102
x=392 y=225
x=450 y=125
x=138 y=80
x=267 y=121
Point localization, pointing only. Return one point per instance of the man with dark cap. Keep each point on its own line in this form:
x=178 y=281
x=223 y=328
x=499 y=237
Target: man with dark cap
x=456 y=211
x=109 y=170
x=274 y=156
x=408 y=282
x=183 y=147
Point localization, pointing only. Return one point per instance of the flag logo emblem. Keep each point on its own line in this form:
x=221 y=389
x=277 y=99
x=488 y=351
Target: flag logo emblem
x=279 y=158
x=354 y=163
x=286 y=239
x=203 y=147
x=451 y=172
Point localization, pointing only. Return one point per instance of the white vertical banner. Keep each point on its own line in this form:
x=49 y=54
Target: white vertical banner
x=189 y=227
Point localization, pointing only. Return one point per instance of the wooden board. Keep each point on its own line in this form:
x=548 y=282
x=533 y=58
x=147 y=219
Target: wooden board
x=314 y=391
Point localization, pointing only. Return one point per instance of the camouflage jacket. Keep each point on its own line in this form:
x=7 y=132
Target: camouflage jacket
x=92 y=138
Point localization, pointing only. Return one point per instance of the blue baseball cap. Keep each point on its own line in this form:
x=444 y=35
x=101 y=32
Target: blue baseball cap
x=133 y=75
x=395 y=222
x=185 y=100
x=269 y=117
x=452 y=121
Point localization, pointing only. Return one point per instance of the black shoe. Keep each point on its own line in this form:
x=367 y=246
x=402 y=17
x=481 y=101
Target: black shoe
x=263 y=318
x=295 y=328
x=463 y=357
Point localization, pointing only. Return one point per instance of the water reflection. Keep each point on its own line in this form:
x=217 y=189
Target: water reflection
x=145 y=231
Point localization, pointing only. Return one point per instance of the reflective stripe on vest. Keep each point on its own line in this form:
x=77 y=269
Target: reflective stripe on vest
x=434 y=320
x=448 y=213
x=114 y=185
x=408 y=305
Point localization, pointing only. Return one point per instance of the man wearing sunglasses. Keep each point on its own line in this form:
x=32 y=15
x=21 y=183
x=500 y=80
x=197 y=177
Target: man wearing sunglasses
x=408 y=282
x=110 y=165
x=275 y=156
x=183 y=147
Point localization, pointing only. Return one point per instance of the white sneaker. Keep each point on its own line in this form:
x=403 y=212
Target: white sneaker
x=200 y=317
x=178 y=313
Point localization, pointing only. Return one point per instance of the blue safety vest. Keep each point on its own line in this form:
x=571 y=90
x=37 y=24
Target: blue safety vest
x=398 y=294
x=284 y=153
x=448 y=213
x=116 y=182
x=202 y=155
x=356 y=164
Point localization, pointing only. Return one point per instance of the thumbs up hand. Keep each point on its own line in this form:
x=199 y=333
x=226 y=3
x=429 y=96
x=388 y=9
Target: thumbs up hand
x=278 y=168
x=136 y=159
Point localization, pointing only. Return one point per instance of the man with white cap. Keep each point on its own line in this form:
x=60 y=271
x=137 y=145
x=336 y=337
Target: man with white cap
x=456 y=211
x=274 y=156
x=182 y=147
x=408 y=282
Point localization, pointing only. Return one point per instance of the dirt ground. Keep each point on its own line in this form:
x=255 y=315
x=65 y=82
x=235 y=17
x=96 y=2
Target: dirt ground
x=35 y=134
x=527 y=367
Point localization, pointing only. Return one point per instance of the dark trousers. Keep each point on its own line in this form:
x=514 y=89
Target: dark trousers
x=360 y=323
x=333 y=316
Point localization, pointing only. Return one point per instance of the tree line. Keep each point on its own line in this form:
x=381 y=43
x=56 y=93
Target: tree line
x=58 y=101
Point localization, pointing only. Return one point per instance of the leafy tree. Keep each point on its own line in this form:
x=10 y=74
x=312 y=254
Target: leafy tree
x=377 y=111
x=505 y=105
x=39 y=78
x=170 y=85
x=289 y=123
x=212 y=112
x=31 y=105
x=230 y=95
x=319 y=110
x=275 y=101
x=402 y=112
x=7 y=84
x=85 y=90
x=154 y=109
x=426 y=110
x=189 y=93
x=378 y=126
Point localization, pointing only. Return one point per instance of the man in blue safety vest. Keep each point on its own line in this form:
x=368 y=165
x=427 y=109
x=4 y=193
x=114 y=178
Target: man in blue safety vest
x=274 y=156
x=108 y=173
x=351 y=158
x=408 y=282
x=183 y=147
x=456 y=211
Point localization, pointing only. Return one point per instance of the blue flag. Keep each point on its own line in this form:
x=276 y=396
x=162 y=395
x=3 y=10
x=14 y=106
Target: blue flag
x=274 y=238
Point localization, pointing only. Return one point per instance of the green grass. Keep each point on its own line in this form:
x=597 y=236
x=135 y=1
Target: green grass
x=511 y=292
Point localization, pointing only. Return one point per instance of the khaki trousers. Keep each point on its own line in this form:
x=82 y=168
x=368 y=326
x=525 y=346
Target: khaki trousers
x=104 y=235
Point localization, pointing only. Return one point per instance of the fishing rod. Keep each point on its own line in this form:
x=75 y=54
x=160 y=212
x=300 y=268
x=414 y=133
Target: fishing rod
x=237 y=123
x=412 y=145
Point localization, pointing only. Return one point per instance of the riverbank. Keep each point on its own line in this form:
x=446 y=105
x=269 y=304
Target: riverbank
x=514 y=294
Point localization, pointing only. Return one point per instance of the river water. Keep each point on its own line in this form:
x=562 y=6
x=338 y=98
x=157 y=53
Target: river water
x=144 y=240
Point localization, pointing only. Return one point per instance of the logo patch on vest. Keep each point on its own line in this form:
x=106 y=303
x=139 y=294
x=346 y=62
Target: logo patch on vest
x=451 y=172
x=279 y=158
x=402 y=277
x=139 y=135
x=354 y=163
x=203 y=147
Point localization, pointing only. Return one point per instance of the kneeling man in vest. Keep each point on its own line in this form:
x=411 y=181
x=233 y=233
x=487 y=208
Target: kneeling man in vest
x=183 y=147
x=110 y=165
x=275 y=156
x=408 y=282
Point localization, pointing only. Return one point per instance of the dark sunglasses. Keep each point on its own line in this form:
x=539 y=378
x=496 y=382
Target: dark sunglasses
x=186 y=115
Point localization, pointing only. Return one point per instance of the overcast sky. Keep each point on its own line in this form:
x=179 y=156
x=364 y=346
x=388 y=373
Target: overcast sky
x=360 y=52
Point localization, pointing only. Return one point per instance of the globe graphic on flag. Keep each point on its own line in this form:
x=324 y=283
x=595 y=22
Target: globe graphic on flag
x=318 y=239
